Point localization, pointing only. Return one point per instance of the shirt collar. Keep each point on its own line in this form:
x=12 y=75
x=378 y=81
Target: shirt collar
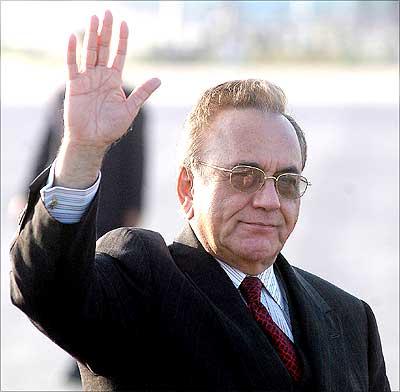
x=267 y=278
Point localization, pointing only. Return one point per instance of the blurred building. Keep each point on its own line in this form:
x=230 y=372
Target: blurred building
x=326 y=31
x=236 y=31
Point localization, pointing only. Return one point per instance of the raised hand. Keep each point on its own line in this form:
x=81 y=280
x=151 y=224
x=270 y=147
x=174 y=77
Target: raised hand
x=96 y=112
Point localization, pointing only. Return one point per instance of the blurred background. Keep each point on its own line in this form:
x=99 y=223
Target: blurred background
x=338 y=64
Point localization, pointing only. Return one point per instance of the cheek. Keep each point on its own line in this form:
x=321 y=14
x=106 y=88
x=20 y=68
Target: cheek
x=218 y=210
x=205 y=206
x=218 y=207
x=227 y=211
x=290 y=213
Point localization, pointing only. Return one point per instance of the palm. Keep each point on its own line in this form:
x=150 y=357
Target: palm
x=96 y=111
x=97 y=108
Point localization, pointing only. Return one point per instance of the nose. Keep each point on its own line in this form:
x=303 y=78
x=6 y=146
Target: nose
x=267 y=197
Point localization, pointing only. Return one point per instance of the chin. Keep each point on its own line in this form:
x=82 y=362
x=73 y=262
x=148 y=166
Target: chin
x=254 y=264
x=257 y=253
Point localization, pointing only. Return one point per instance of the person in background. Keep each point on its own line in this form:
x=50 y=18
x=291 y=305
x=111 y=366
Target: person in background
x=220 y=309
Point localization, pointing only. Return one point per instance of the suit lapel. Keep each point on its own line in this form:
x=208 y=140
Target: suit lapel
x=314 y=323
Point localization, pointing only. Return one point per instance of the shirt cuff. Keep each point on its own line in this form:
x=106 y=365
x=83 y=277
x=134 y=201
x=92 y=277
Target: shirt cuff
x=67 y=205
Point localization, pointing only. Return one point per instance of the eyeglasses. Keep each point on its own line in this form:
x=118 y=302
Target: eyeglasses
x=250 y=179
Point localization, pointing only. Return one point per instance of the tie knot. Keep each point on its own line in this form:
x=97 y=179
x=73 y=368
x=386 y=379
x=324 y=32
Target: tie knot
x=251 y=289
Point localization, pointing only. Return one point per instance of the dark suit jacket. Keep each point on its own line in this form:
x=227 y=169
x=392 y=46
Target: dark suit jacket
x=138 y=314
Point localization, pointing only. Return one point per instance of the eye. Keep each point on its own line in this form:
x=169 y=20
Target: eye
x=289 y=185
x=289 y=181
x=246 y=179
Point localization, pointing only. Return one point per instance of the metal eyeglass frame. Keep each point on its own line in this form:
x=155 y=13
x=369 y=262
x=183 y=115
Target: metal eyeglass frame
x=308 y=183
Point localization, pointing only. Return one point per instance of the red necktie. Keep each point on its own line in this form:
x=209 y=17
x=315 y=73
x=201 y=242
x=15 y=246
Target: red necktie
x=251 y=291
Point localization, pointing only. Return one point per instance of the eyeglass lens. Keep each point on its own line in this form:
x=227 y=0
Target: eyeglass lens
x=246 y=179
x=249 y=180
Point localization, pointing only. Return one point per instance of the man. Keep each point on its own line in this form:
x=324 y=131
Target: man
x=220 y=308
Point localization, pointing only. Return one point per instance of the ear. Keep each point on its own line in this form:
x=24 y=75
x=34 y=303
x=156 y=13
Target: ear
x=185 y=191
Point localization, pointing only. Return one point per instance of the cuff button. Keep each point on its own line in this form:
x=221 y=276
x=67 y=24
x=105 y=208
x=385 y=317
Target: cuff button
x=53 y=203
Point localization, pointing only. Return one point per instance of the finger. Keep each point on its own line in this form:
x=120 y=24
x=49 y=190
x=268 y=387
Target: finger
x=104 y=39
x=71 y=58
x=119 y=59
x=138 y=96
x=90 y=44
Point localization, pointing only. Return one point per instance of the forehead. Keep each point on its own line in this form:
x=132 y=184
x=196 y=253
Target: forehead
x=252 y=135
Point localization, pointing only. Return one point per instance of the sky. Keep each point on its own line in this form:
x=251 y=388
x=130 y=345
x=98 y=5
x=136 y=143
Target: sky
x=46 y=24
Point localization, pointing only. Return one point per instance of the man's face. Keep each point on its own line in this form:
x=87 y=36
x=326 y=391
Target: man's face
x=245 y=230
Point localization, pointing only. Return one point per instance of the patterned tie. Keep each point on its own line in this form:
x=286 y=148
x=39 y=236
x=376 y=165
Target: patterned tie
x=251 y=291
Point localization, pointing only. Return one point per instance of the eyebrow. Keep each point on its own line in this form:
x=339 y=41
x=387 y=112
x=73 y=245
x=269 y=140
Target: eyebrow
x=288 y=169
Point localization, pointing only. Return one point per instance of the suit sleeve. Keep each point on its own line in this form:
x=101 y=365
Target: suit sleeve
x=378 y=381
x=76 y=296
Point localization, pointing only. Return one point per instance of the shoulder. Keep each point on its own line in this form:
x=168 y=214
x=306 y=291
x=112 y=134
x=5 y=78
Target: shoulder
x=347 y=307
x=333 y=295
x=127 y=242
x=357 y=323
x=134 y=254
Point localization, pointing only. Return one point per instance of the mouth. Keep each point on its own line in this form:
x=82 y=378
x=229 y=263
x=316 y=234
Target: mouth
x=260 y=225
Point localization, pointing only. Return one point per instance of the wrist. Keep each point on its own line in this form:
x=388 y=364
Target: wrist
x=82 y=147
x=78 y=165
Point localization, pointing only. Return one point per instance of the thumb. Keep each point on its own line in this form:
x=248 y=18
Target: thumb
x=140 y=94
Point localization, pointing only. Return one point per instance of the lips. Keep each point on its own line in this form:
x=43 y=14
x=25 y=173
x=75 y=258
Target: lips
x=261 y=225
